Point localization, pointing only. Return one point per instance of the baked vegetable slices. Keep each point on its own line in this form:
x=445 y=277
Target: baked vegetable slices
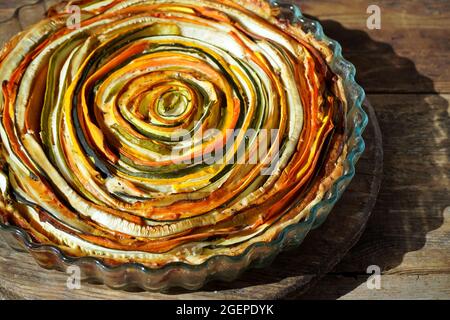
x=159 y=131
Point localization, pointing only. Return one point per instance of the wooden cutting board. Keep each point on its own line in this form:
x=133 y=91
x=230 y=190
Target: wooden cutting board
x=292 y=272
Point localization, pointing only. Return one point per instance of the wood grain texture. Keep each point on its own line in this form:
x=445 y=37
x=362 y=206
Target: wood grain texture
x=409 y=231
x=7 y=8
x=411 y=47
x=405 y=69
x=392 y=287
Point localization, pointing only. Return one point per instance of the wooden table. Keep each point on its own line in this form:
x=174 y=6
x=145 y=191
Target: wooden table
x=404 y=68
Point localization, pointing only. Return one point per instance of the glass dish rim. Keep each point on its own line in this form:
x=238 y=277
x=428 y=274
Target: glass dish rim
x=340 y=66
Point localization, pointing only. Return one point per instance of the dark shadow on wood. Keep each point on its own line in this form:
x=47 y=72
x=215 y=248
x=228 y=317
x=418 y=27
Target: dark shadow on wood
x=407 y=194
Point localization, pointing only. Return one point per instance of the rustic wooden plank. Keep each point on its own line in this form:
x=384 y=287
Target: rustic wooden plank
x=7 y=8
x=420 y=194
x=392 y=287
x=409 y=230
x=410 y=53
x=414 y=194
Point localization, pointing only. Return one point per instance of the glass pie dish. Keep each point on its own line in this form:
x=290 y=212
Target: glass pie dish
x=218 y=267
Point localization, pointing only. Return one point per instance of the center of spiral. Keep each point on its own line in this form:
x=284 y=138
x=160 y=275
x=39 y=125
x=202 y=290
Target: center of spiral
x=172 y=103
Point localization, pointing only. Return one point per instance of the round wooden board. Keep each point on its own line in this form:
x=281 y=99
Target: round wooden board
x=292 y=272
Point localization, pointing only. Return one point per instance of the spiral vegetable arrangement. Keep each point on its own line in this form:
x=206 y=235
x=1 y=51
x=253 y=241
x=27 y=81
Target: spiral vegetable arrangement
x=158 y=131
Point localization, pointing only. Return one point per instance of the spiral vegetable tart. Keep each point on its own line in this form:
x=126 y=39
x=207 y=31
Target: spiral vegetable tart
x=158 y=131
